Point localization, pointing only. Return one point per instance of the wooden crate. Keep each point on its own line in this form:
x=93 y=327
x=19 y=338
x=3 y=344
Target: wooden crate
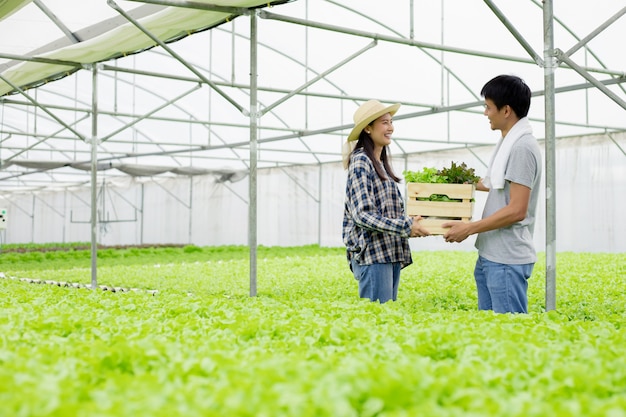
x=435 y=213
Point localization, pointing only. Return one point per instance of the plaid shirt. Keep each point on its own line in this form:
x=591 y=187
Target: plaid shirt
x=375 y=228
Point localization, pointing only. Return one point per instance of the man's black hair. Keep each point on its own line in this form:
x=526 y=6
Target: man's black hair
x=508 y=89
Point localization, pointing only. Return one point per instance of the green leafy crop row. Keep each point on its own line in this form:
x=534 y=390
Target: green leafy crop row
x=306 y=345
x=55 y=256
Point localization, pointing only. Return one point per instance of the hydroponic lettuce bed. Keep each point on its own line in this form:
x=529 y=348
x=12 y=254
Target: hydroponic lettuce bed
x=306 y=346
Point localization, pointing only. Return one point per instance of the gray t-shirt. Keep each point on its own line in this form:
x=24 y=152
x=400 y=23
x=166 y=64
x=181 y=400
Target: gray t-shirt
x=514 y=244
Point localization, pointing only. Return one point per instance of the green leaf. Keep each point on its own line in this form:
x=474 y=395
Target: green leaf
x=459 y=174
x=454 y=174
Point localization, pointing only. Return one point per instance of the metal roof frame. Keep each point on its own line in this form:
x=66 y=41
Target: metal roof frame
x=110 y=150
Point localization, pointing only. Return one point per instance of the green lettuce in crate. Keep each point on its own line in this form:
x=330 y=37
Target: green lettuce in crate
x=454 y=174
x=427 y=175
x=459 y=174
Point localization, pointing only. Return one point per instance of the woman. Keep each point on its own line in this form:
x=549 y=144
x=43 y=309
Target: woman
x=375 y=227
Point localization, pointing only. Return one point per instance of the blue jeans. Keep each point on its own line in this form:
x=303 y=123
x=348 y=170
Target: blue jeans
x=501 y=287
x=378 y=282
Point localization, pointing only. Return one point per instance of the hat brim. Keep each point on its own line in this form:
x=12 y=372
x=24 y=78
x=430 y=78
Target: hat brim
x=356 y=130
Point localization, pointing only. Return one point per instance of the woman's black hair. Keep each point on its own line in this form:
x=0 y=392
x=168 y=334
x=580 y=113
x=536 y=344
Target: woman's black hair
x=365 y=141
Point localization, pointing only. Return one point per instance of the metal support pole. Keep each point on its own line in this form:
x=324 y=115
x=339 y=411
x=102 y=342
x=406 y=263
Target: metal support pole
x=252 y=205
x=319 y=204
x=143 y=212
x=94 y=177
x=32 y=220
x=550 y=66
x=190 y=208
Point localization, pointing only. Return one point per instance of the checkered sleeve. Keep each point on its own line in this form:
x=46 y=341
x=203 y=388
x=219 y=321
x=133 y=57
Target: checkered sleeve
x=375 y=227
x=375 y=204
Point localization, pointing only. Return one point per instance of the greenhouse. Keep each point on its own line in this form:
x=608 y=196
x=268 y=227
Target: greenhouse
x=217 y=127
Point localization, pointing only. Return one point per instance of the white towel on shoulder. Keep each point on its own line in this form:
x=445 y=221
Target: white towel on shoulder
x=494 y=178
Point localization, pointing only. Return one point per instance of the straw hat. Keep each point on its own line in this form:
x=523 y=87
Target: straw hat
x=363 y=116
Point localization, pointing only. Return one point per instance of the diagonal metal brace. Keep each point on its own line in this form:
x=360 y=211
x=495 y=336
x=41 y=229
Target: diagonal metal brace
x=507 y=23
x=594 y=33
x=180 y=59
x=32 y=100
x=566 y=59
x=320 y=76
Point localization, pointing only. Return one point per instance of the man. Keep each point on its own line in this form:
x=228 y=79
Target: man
x=506 y=253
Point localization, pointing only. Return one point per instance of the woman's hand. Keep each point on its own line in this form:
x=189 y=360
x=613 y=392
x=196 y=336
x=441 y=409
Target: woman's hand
x=417 y=230
x=480 y=186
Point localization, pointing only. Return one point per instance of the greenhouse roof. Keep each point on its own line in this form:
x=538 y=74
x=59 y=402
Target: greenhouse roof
x=164 y=87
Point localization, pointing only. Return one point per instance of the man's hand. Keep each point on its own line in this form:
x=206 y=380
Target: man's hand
x=459 y=231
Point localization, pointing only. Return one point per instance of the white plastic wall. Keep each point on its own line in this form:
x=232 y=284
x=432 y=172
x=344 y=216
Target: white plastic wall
x=304 y=205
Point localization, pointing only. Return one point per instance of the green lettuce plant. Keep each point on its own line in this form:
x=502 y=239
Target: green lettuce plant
x=454 y=174
x=307 y=345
